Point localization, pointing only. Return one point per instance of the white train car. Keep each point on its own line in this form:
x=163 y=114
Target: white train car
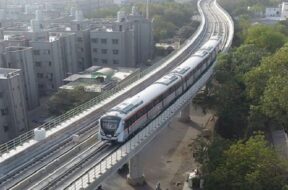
x=136 y=112
x=132 y=114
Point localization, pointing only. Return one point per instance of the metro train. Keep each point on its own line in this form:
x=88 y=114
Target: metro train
x=128 y=117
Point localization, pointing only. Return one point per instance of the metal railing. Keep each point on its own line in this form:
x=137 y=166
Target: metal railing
x=20 y=140
x=102 y=169
x=231 y=27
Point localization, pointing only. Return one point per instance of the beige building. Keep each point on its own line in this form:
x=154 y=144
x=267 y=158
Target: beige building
x=128 y=42
x=22 y=58
x=49 y=66
x=13 y=113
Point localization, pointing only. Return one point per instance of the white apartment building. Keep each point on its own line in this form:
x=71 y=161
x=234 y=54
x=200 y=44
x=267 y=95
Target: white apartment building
x=83 y=49
x=49 y=66
x=113 y=48
x=272 y=12
x=284 y=10
x=127 y=43
x=13 y=113
x=68 y=51
x=22 y=58
x=143 y=36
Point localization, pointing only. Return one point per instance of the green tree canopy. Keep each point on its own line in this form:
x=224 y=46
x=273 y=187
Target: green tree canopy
x=64 y=100
x=228 y=94
x=250 y=164
x=267 y=86
x=238 y=7
x=265 y=37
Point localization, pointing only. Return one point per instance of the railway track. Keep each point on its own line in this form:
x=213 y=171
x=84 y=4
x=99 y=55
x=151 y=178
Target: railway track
x=49 y=159
x=216 y=30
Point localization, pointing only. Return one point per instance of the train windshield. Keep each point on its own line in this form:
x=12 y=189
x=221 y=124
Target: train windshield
x=109 y=123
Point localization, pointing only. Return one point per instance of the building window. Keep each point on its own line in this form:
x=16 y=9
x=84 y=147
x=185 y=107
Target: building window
x=40 y=86
x=36 y=52
x=40 y=75
x=95 y=50
x=50 y=76
x=6 y=128
x=103 y=41
x=116 y=62
x=95 y=40
x=50 y=63
x=4 y=111
x=104 y=51
x=104 y=61
x=38 y=63
x=80 y=49
x=46 y=52
x=115 y=41
x=95 y=60
x=1 y=94
x=79 y=39
x=115 y=51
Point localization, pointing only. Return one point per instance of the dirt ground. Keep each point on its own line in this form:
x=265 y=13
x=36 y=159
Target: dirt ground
x=168 y=157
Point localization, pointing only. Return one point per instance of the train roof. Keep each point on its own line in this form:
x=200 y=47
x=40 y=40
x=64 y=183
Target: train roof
x=187 y=65
x=167 y=79
x=128 y=106
x=211 y=44
x=197 y=57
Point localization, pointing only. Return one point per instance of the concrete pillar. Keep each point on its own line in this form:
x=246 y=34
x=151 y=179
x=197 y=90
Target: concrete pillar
x=185 y=113
x=136 y=176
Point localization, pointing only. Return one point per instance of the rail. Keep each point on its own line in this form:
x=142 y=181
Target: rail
x=24 y=138
x=105 y=167
x=231 y=27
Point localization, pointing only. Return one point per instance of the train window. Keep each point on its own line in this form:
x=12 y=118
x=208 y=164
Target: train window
x=134 y=118
x=177 y=86
x=157 y=100
x=127 y=123
x=165 y=94
x=149 y=106
x=140 y=113
x=146 y=108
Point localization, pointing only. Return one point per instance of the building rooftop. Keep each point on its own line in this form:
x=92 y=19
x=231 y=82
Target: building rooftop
x=17 y=48
x=97 y=79
x=6 y=73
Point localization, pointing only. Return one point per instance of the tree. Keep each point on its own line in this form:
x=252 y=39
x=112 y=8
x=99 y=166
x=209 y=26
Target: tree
x=267 y=87
x=265 y=37
x=250 y=164
x=228 y=95
x=239 y=7
x=187 y=30
x=110 y=12
x=163 y=29
x=210 y=155
x=64 y=100
x=274 y=100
